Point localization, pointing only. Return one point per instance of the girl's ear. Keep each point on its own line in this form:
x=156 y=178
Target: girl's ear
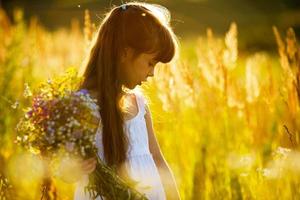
x=126 y=54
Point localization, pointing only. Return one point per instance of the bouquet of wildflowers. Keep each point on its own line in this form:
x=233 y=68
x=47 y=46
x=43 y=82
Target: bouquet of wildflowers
x=64 y=121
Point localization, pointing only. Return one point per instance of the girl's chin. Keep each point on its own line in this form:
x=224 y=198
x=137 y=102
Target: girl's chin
x=135 y=84
x=131 y=86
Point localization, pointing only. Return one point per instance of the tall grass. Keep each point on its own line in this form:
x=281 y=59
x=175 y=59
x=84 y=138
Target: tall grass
x=227 y=121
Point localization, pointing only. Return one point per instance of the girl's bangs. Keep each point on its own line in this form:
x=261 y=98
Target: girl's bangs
x=148 y=34
x=165 y=46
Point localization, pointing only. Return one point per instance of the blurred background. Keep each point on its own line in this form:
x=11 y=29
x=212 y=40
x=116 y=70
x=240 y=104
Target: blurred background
x=189 y=17
x=226 y=113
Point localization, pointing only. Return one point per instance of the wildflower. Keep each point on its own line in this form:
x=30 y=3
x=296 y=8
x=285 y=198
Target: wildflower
x=70 y=146
x=27 y=92
x=15 y=105
x=83 y=91
x=50 y=127
x=77 y=134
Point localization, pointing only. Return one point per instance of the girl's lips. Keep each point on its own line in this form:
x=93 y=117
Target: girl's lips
x=141 y=82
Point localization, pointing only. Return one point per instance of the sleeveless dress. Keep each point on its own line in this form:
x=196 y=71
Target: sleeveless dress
x=139 y=163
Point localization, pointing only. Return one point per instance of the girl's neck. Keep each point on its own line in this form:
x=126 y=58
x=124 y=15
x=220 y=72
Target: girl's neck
x=94 y=93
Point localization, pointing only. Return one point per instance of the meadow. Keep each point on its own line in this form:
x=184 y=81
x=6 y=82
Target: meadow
x=227 y=121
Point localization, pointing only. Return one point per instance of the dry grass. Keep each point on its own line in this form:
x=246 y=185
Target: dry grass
x=228 y=125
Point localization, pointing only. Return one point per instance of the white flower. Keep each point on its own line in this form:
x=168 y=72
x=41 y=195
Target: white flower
x=27 y=92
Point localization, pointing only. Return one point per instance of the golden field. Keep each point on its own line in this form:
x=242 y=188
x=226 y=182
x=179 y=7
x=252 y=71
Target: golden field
x=227 y=121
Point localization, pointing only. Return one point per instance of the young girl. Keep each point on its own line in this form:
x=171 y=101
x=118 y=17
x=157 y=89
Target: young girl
x=131 y=40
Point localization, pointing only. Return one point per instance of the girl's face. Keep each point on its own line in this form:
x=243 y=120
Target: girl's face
x=135 y=69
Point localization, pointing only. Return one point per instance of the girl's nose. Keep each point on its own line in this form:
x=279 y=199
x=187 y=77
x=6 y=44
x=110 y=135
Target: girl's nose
x=151 y=73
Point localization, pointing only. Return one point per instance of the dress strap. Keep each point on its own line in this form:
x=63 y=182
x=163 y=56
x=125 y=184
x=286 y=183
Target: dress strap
x=140 y=102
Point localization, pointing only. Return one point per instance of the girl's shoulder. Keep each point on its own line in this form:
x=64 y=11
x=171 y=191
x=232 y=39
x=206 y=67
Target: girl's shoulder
x=141 y=100
x=134 y=103
x=140 y=97
x=134 y=95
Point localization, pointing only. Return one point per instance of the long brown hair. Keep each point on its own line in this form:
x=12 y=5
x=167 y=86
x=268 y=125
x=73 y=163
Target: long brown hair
x=144 y=28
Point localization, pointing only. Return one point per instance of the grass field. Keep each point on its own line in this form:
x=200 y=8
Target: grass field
x=227 y=121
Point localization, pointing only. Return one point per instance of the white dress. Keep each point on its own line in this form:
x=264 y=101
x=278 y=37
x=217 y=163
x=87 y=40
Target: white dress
x=139 y=163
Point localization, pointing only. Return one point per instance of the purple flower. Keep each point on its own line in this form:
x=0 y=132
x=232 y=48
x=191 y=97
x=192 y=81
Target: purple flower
x=83 y=91
x=54 y=102
x=77 y=134
x=29 y=114
x=70 y=146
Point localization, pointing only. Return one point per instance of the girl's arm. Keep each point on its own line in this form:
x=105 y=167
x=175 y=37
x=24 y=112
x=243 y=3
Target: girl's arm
x=71 y=170
x=165 y=172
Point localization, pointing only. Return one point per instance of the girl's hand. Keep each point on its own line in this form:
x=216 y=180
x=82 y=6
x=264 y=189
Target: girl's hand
x=71 y=170
x=88 y=165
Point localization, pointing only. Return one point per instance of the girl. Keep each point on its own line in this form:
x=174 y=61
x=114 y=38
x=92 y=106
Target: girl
x=131 y=40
